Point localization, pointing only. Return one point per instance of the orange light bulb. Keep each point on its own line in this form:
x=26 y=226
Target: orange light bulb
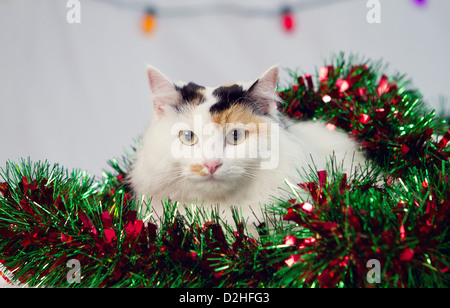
x=148 y=22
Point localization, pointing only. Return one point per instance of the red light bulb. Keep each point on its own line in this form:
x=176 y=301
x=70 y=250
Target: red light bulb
x=288 y=20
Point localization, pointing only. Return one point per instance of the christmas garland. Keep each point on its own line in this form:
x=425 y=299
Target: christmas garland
x=61 y=228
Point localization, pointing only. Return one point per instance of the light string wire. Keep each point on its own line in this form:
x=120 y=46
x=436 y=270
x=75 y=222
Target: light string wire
x=201 y=8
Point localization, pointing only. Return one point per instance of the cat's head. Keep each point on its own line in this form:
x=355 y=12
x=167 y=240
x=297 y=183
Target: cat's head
x=216 y=137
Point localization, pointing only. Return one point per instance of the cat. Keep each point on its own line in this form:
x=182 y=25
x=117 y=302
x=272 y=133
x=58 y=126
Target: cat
x=229 y=146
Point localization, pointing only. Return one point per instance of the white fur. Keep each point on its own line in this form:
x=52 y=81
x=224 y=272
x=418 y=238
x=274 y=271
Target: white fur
x=239 y=181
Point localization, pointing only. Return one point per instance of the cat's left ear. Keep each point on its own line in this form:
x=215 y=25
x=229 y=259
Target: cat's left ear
x=263 y=91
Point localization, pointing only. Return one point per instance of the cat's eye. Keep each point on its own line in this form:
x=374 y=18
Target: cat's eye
x=188 y=137
x=236 y=136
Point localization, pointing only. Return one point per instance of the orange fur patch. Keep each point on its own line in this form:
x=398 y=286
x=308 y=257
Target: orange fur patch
x=237 y=114
x=201 y=93
x=198 y=169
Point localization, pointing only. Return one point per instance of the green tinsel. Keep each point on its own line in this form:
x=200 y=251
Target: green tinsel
x=397 y=214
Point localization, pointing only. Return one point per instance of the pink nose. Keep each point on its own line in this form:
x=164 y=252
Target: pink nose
x=212 y=165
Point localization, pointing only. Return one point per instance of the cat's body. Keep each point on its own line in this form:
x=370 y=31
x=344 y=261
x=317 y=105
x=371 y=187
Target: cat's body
x=229 y=146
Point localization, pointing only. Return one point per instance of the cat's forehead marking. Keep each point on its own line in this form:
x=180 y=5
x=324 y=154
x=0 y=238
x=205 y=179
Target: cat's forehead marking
x=228 y=84
x=227 y=96
x=191 y=93
x=237 y=113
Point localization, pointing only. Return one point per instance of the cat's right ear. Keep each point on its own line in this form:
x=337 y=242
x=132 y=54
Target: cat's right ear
x=164 y=93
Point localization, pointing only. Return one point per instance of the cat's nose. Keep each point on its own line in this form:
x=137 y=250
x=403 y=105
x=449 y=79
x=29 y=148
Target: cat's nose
x=212 y=165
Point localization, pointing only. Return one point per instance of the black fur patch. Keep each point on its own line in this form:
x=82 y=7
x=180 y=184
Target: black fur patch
x=227 y=96
x=235 y=94
x=191 y=93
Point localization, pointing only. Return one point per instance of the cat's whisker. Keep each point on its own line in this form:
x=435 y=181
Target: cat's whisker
x=168 y=178
x=164 y=181
x=256 y=178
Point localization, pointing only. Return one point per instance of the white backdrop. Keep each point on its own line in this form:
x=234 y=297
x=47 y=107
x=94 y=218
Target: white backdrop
x=77 y=94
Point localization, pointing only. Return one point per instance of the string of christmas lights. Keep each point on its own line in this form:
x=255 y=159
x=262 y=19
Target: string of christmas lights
x=285 y=13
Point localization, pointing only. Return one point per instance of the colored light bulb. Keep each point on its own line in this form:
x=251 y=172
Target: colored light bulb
x=420 y=2
x=288 y=20
x=148 y=21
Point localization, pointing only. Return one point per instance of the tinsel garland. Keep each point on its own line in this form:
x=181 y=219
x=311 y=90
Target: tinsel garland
x=50 y=216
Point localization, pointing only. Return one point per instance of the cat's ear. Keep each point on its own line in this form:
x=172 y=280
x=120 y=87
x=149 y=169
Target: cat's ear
x=164 y=93
x=263 y=91
x=267 y=83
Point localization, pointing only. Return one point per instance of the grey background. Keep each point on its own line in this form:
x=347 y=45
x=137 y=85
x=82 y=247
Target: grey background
x=77 y=94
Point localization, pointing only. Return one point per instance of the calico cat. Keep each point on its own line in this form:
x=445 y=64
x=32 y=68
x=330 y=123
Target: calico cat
x=229 y=145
